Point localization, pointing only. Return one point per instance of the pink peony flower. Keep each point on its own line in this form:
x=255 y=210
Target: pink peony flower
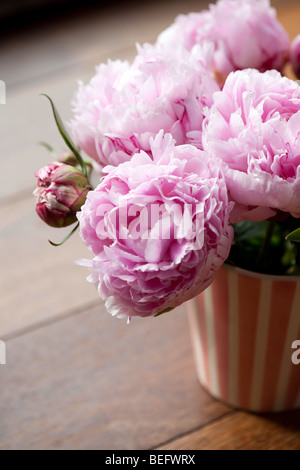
x=158 y=227
x=123 y=106
x=61 y=191
x=244 y=34
x=254 y=127
x=295 y=56
x=101 y=94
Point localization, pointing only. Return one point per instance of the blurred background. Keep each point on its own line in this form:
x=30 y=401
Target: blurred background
x=75 y=377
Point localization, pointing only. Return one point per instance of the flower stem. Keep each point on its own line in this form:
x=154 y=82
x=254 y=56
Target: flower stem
x=66 y=238
x=265 y=246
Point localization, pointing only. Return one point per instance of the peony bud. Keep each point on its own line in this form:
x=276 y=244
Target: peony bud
x=62 y=190
x=295 y=55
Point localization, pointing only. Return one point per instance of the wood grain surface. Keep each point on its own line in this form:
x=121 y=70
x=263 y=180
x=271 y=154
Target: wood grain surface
x=91 y=382
x=75 y=377
x=242 y=431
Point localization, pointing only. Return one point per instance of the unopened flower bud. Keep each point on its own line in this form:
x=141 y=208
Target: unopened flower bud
x=61 y=191
x=295 y=55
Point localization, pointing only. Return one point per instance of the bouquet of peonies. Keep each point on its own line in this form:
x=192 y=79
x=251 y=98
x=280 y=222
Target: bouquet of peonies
x=197 y=147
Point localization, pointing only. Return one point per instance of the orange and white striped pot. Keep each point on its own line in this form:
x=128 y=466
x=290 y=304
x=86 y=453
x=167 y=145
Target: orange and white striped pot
x=243 y=327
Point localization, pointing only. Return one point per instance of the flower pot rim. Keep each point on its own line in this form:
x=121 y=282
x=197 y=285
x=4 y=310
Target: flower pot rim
x=269 y=277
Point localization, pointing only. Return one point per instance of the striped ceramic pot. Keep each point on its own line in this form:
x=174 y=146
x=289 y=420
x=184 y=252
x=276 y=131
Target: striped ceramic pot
x=245 y=328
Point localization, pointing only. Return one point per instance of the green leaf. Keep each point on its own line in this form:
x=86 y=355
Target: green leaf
x=48 y=147
x=67 y=237
x=63 y=132
x=246 y=230
x=294 y=236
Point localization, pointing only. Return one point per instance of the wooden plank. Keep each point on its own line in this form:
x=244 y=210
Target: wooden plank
x=91 y=381
x=289 y=15
x=26 y=119
x=243 y=431
x=51 y=60
x=37 y=281
x=90 y=35
x=85 y=36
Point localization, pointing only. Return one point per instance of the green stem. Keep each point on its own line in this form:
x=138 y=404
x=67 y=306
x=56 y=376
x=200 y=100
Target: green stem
x=51 y=149
x=66 y=238
x=265 y=246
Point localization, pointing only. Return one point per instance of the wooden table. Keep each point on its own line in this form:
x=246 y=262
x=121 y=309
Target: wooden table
x=75 y=377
